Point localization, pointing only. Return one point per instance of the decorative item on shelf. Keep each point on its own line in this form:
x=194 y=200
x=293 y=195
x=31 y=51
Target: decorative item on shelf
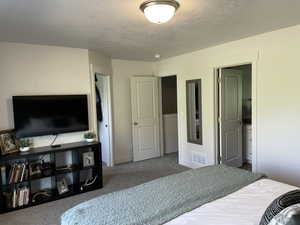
x=35 y=169
x=88 y=159
x=42 y=196
x=89 y=136
x=88 y=182
x=46 y=168
x=24 y=144
x=8 y=142
x=62 y=186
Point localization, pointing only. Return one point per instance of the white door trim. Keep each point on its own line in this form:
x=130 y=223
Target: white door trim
x=93 y=111
x=254 y=63
x=110 y=121
x=161 y=133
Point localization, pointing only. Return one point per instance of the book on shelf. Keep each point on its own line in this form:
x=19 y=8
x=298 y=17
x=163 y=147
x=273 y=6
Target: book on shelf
x=14 y=199
x=18 y=173
x=18 y=197
x=3 y=175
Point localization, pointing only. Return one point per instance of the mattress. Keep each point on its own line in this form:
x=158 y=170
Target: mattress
x=243 y=207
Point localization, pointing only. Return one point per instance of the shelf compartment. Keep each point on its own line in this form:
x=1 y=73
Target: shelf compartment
x=66 y=183
x=89 y=179
x=41 y=166
x=14 y=172
x=14 y=196
x=42 y=196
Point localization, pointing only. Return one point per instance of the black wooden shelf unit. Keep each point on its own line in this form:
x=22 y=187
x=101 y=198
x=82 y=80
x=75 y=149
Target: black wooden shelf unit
x=47 y=174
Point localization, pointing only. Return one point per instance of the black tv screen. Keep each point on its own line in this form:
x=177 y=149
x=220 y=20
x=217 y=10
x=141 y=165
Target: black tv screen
x=50 y=115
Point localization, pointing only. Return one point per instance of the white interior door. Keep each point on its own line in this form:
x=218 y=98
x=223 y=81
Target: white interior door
x=104 y=125
x=230 y=101
x=145 y=118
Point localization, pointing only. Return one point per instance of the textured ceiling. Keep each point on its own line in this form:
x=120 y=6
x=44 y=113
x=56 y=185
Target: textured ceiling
x=118 y=29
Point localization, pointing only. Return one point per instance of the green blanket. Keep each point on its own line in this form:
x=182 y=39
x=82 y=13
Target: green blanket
x=161 y=200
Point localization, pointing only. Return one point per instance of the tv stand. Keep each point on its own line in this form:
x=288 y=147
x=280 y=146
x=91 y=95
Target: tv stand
x=80 y=177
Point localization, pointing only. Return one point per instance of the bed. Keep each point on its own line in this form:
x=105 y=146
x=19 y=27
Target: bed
x=216 y=195
x=243 y=207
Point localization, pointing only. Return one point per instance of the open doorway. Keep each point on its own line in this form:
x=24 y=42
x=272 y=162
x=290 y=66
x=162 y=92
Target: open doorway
x=169 y=115
x=234 y=103
x=104 y=118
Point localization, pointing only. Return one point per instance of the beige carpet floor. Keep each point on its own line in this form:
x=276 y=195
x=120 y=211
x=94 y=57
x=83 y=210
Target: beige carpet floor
x=115 y=178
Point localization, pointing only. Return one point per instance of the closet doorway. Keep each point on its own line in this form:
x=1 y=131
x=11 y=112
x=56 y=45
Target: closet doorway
x=234 y=115
x=169 y=116
x=104 y=117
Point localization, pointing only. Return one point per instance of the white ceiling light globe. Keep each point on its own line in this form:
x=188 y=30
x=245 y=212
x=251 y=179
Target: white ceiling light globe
x=159 y=11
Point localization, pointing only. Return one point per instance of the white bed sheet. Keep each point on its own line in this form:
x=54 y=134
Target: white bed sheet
x=244 y=207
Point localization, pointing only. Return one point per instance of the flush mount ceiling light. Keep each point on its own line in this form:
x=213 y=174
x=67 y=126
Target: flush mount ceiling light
x=159 y=11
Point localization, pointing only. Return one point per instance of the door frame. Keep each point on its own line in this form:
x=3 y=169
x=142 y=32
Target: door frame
x=254 y=111
x=93 y=111
x=160 y=116
x=161 y=123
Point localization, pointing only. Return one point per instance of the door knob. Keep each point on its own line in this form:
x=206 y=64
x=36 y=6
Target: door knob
x=135 y=123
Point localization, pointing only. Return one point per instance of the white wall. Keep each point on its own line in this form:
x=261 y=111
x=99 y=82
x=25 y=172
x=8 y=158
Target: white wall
x=101 y=63
x=122 y=71
x=276 y=58
x=33 y=70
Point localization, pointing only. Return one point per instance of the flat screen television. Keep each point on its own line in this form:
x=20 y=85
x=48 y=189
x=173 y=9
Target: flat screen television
x=50 y=115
